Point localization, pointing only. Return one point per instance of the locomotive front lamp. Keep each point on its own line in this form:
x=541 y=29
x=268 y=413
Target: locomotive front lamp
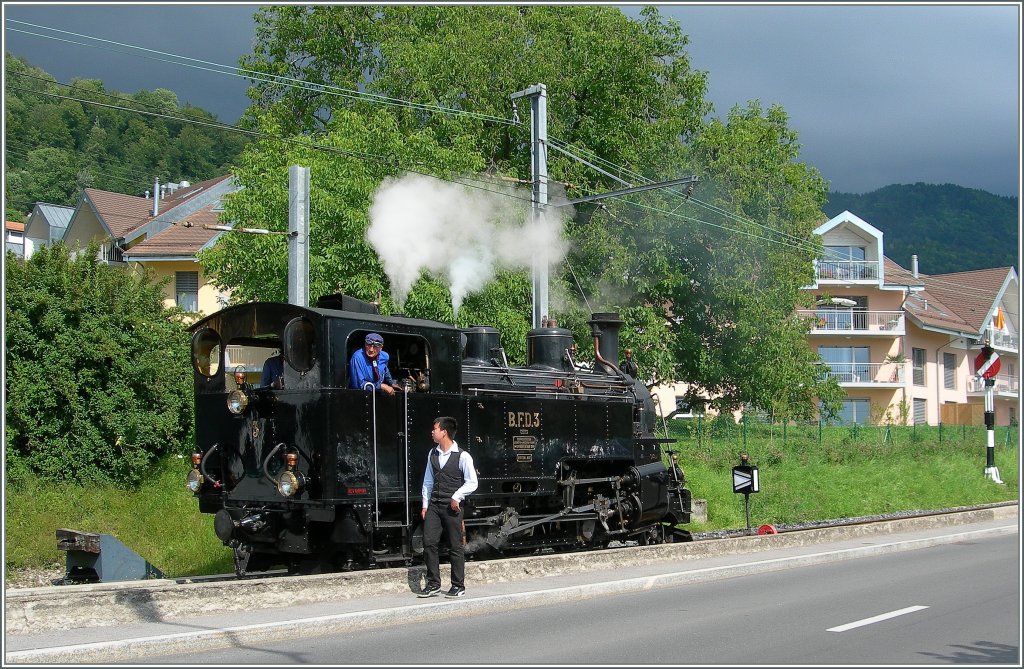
x=290 y=483
x=194 y=480
x=237 y=402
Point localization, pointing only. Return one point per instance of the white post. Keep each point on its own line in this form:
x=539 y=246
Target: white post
x=298 y=235
x=538 y=95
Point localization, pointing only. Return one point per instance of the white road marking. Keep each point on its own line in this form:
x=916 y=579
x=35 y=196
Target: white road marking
x=876 y=619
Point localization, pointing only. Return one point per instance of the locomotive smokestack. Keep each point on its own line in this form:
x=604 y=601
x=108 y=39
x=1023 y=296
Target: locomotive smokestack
x=605 y=328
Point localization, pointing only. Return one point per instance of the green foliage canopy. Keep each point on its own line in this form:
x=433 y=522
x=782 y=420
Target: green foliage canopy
x=56 y=147
x=98 y=383
x=707 y=295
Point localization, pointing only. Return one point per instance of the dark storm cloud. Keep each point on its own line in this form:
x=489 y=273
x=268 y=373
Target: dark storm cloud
x=878 y=94
x=215 y=33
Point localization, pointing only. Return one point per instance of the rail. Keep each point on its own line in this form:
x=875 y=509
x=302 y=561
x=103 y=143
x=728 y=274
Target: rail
x=1004 y=384
x=865 y=372
x=854 y=320
x=847 y=270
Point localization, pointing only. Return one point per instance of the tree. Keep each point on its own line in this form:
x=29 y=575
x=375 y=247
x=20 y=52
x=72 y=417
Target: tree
x=57 y=146
x=701 y=303
x=98 y=382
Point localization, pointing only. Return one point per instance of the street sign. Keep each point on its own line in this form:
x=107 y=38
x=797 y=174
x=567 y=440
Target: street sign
x=986 y=365
x=745 y=480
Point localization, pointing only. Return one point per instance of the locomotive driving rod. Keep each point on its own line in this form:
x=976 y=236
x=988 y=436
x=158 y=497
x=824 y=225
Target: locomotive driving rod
x=563 y=512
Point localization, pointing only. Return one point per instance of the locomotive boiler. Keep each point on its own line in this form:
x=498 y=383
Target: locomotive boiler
x=312 y=475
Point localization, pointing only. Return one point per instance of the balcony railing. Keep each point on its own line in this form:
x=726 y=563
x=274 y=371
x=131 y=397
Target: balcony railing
x=865 y=372
x=111 y=252
x=851 y=320
x=847 y=270
x=1004 y=384
x=1006 y=340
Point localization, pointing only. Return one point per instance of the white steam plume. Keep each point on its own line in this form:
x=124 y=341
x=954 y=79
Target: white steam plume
x=459 y=234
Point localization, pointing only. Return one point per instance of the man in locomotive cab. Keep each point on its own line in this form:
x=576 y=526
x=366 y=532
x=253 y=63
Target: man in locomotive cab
x=448 y=479
x=370 y=365
x=273 y=372
x=628 y=366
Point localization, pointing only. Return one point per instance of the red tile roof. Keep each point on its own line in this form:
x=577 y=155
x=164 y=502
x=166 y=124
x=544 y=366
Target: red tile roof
x=959 y=301
x=14 y=226
x=120 y=212
x=184 y=238
x=123 y=213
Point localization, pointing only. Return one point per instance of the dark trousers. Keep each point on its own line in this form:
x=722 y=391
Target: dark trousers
x=441 y=517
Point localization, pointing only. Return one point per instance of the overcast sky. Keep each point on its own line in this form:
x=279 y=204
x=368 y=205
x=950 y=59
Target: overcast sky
x=878 y=94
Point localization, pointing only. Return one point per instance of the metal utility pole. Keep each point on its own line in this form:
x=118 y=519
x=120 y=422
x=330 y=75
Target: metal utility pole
x=538 y=94
x=298 y=235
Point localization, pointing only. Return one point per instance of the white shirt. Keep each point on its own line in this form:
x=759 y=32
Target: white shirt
x=465 y=466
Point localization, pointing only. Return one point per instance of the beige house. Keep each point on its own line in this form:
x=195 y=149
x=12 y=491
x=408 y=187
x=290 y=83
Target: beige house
x=901 y=343
x=163 y=233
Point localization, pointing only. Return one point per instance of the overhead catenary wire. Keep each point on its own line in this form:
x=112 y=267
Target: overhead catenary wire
x=254 y=75
x=379 y=99
x=224 y=69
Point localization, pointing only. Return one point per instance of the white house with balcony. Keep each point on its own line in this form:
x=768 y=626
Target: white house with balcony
x=901 y=343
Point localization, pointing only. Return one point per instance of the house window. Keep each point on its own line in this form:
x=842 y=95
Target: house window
x=949 y=371
x=846 y=262
x=855 y=411
x=186 y=290
x=920 y=411
x=845 y=253
x=848 y=363
x=917 y=358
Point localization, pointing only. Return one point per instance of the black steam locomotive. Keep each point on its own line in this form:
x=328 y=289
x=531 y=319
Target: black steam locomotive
x=313 y=476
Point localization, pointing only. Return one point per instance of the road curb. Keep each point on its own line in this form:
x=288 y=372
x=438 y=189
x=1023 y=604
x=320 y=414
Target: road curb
x=120 y=650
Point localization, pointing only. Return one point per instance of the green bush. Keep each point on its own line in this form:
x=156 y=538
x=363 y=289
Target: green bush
x=98 y=383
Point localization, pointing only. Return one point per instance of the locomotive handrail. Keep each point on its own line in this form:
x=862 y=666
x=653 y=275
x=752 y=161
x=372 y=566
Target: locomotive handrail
x=266 y=462
x=202 y=464
x=405 y=431
x=376 y=487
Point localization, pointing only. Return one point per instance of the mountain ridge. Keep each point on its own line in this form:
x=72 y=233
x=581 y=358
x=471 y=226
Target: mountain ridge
x=950 y=228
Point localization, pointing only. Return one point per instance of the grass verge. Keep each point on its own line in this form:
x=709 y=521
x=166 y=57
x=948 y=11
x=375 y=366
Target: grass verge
x=837 y=473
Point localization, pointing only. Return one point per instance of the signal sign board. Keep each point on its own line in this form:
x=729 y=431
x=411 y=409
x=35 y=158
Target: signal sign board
x=987 y=363
x=745 y=479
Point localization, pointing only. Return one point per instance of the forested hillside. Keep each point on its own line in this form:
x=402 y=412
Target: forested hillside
x=950 y=228
x=56 y=146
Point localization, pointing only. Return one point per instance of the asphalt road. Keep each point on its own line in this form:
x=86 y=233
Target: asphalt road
x=951 y=603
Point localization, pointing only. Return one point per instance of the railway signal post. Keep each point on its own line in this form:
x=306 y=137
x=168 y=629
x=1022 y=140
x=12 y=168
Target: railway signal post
x=745 y=480
x=986 y=367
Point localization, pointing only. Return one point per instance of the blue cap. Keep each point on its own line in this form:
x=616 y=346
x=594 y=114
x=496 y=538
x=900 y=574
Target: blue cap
x=374 y=338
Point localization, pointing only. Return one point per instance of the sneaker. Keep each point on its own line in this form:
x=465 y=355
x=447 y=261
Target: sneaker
x=429 y=591
x=456 y=591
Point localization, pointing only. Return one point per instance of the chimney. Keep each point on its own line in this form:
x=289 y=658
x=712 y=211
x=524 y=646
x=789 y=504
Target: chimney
x=156 y=196
x=913 y=265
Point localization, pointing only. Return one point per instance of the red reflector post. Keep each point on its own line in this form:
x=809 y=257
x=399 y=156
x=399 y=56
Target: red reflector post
x=767 y=529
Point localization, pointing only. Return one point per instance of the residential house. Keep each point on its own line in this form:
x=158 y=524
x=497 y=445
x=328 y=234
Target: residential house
x=163 y=233
x=45 y=225
x=14 y=236
x=902 y=343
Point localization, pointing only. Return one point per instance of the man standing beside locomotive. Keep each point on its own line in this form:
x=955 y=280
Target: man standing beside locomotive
x=370 y=365
x=448 y=479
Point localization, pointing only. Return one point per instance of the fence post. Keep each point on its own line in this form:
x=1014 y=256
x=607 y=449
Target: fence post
x=743 y=430
x=940 y=433
x=699 y=441
x=819 y=431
